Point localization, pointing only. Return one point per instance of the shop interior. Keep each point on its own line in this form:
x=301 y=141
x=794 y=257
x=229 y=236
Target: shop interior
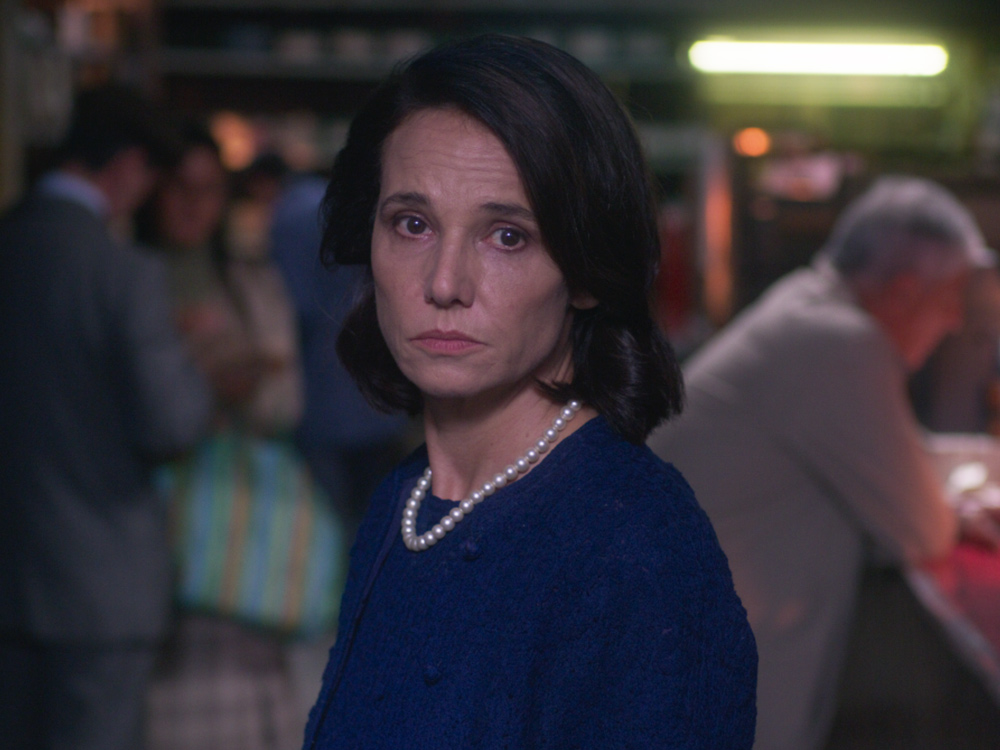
x=752 y=168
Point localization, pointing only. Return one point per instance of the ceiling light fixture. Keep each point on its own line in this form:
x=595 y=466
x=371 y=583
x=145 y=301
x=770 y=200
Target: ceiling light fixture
x=822 y=58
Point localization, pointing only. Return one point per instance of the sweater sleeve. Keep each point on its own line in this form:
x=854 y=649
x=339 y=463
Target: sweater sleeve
x=649 y=646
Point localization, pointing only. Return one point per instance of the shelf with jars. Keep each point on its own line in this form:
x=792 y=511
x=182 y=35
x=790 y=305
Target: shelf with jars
x=309 y=41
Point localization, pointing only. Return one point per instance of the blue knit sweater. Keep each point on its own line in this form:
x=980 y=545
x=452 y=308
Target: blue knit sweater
x=587 y=605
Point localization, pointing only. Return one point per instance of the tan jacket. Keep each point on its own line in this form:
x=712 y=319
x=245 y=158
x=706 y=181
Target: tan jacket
x=800 y=443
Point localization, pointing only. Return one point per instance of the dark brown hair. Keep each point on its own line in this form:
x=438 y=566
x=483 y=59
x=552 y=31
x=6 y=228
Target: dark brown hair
x=583 y=171
x=112 y=117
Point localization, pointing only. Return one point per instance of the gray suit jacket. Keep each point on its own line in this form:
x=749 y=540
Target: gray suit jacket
x=95 y=387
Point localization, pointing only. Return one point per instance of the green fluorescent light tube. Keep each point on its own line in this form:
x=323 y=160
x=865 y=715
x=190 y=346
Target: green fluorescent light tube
x=801 y=58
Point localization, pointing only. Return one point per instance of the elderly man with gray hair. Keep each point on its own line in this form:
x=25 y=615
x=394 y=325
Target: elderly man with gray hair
x=801 y=444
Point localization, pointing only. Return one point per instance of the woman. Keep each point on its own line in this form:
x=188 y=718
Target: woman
x=533 y=576
x=234 y=311
x=221 y=683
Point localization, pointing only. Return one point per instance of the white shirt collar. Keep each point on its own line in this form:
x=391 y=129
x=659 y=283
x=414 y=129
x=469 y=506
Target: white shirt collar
x=71 y=187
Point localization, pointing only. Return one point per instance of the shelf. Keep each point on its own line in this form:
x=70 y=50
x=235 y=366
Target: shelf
x=575 y=7
x=253 y=64
x=265 y=64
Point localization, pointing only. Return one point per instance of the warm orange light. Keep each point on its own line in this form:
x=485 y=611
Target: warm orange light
x=236 y=138
x=752 y=142
x=718 y=269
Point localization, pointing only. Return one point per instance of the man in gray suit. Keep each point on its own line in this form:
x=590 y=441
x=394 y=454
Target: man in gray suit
x=95 y=388
x=800 y=443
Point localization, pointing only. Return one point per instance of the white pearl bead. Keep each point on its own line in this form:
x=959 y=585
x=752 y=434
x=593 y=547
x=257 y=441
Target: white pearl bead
x=413 y=503
x=447 y=523
x=421 y=543
x=488 y=489
x=437 y=531
x=457 y=514
x=511 y=473
x=522 y=465
x=532 y=456
x=499 y=481
x=542 y=445
x=410 y=513
x=423 y=483
x=567 y=413
x=476 y=496
x=559 y=424
x=467 y=505
x=575 y=405
x=551 y=434
x=417 y=494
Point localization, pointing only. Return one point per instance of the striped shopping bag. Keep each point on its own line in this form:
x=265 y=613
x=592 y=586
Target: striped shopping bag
x=254 y=537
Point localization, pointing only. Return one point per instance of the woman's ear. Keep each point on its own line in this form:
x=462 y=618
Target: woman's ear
x=583 y=301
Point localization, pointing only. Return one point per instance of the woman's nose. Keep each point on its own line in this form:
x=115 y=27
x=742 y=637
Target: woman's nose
x=451 y=277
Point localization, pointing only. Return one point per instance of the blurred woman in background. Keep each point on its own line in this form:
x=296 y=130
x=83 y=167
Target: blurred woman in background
x=221 y=683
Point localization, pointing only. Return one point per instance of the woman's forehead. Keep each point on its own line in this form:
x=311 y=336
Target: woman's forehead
x=447 y=151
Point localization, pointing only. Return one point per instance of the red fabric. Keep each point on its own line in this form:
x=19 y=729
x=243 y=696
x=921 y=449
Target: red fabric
x=970 y=579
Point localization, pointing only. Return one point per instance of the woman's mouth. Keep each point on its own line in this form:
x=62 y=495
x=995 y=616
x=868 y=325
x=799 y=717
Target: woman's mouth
x=445 y=342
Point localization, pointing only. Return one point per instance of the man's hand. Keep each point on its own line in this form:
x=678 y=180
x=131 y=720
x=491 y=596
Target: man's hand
x=979 y=522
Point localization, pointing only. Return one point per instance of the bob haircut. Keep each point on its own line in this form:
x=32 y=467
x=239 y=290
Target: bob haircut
x=585 y=176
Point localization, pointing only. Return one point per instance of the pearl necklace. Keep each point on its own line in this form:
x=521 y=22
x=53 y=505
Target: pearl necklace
x=420 y=542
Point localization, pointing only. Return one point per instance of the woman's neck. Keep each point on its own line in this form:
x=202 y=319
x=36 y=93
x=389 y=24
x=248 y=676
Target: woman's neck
x=468 y=442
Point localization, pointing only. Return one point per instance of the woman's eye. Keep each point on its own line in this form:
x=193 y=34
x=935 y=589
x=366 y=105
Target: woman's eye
x=412 y=225
x=507 y=237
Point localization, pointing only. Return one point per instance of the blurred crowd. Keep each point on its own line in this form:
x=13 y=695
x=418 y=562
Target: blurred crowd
x=153 y=302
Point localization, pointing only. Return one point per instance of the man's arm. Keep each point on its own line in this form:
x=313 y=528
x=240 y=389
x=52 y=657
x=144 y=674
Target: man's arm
x=862 y=439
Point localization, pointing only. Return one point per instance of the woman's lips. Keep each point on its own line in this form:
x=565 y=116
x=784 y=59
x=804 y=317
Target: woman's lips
x=446 y=342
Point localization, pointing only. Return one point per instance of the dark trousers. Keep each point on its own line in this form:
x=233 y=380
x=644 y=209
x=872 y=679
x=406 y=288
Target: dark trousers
x=72 y=697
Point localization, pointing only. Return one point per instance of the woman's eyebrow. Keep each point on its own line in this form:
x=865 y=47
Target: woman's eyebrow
x=509 y=210
x=419 y=200
x=406 y=199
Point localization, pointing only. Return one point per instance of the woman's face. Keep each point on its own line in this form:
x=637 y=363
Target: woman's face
x=192 y=199
x=469 y=300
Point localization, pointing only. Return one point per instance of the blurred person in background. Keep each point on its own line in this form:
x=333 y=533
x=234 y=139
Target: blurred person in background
x=234 y=312
x=958 y=388
x=249 y=216
x=799 y=438
x=348 y=444
x=221 y=683
x=97 y=388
